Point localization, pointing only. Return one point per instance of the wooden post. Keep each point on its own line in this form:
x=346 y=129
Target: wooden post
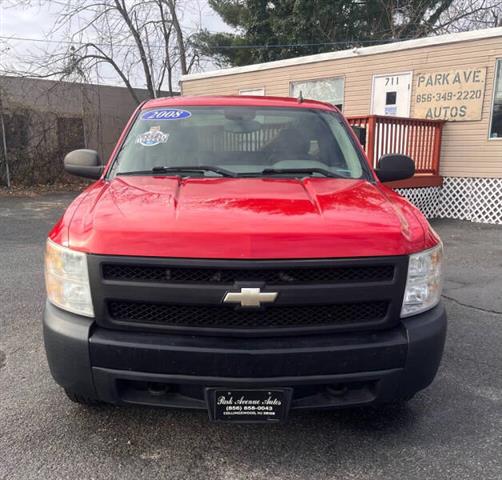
x=370 y=147
x=436 y=153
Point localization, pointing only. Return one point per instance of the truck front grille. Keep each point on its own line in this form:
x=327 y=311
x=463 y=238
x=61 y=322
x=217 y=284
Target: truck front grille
x=185 y=296
x=271 y=276
x=226 y=317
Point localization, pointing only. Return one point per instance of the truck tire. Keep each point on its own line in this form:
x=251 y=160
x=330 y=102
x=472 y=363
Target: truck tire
x=82 y=399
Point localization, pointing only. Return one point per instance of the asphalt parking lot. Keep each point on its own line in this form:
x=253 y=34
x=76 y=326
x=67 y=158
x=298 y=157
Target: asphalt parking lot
x=452 y=430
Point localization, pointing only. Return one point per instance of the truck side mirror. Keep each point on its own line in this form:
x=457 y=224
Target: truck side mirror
x=360 y=134
x=395 y=166
x=84 y=163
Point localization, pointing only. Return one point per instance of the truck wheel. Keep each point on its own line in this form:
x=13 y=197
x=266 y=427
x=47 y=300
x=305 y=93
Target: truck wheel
x=82 y=399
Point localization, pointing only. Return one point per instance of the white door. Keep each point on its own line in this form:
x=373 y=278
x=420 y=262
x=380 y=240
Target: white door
x=391 y=95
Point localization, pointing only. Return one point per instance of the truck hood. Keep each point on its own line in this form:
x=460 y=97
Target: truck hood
x=247 y=218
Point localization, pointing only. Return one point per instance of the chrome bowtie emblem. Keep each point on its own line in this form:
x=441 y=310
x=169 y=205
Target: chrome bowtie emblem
x=250 y=297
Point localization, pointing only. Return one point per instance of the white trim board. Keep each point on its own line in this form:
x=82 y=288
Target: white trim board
x=354 y=52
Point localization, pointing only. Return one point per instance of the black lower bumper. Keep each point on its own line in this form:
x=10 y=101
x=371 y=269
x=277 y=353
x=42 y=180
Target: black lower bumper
x=325 y=371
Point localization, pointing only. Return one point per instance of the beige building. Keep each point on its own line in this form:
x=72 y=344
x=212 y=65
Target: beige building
x=456 y=78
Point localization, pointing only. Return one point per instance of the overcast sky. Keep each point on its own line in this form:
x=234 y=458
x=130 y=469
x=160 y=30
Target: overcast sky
x=35 y=22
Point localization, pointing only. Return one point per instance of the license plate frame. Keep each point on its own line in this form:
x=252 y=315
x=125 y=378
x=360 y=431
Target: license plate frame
x=240 y=405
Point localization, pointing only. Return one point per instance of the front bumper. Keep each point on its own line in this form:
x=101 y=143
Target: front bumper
x=325 y=371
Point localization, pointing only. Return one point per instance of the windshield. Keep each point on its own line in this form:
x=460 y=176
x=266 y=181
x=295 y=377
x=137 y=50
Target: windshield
x=239 y=141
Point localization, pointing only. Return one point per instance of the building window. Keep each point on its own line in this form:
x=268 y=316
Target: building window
x=496 y=124
x=252 y=91
x=390 y=98
x=325 y=90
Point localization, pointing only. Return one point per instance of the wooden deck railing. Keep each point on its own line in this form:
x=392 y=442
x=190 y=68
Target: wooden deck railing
x=418 y=138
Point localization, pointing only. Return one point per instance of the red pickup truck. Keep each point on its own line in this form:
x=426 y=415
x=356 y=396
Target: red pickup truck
x=240 y=255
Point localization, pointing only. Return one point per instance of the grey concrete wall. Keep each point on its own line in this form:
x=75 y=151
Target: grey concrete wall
x=104 y=109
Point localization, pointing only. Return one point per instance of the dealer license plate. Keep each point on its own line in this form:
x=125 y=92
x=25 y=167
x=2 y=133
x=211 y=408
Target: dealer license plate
x=248 y=406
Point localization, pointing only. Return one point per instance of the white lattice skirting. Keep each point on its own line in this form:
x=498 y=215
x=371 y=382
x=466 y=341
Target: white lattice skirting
x=426 y=199
x=474 y=199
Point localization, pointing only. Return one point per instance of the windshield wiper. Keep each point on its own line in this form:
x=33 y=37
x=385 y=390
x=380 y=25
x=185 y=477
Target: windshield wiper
x=306 y=171
x=227 y=173
x=189 y=169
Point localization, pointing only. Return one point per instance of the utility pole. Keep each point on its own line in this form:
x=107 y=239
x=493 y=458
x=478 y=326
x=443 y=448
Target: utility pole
x=4 y=142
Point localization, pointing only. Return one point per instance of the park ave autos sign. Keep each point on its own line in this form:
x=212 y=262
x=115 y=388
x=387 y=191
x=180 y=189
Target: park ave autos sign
x=455 y=95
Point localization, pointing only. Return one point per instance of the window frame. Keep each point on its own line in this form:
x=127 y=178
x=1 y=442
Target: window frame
x=498 y=66
x=336 y=77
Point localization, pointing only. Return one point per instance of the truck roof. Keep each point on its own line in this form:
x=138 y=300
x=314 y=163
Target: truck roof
x=237 y=101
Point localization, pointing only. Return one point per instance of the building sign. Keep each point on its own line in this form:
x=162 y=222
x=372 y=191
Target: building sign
x=455 y=95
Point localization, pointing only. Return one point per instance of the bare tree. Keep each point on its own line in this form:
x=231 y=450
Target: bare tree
x=464 y=15
x=140 y=42
x=146 y=42
x=415 y=18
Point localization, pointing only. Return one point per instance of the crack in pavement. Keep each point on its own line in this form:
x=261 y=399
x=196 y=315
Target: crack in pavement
x=484 y=310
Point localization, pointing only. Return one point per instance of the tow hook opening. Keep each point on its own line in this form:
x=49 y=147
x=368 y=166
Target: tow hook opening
x=337 y=390
x=157 y=389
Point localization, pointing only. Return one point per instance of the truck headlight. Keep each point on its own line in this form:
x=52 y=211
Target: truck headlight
x=424 y=282
x=67 y=279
